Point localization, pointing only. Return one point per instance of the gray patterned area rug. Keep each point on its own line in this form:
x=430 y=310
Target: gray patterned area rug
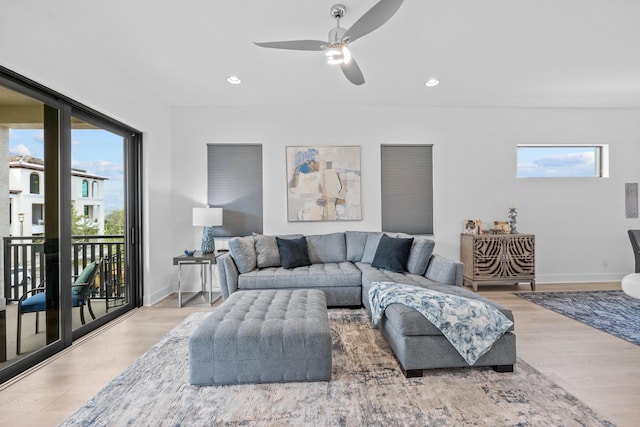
x=367 y=389
x=613 y=312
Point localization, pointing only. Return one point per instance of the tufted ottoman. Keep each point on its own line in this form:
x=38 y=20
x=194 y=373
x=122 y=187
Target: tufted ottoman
x=263 y=336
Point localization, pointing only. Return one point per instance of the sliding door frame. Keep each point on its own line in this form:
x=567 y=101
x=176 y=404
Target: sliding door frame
x=28 y=88
x=61 y=155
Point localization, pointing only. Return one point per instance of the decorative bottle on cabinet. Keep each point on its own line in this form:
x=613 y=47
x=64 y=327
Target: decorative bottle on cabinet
x=498 y=259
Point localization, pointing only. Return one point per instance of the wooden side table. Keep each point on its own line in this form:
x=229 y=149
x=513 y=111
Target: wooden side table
x=203 y=260
x=498 y=259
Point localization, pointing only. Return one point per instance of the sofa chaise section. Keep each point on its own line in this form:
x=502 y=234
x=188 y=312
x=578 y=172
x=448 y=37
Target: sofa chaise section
x=415 y=341
x=419 y=345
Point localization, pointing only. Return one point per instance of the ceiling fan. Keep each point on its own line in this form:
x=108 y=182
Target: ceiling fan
x=336 y=48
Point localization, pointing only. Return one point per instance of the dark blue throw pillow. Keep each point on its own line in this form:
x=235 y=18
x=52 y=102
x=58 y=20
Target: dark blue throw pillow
x=293 y=252
x=392 y=254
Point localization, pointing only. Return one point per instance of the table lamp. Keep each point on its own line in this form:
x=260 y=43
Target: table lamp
x=207 y=218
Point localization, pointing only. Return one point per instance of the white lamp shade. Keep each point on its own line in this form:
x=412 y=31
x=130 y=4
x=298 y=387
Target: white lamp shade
x=207 y=217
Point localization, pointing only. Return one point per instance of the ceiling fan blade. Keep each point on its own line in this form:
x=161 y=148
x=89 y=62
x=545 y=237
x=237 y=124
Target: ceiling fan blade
x=295 y=45
x=380 y=13
x=352 y=72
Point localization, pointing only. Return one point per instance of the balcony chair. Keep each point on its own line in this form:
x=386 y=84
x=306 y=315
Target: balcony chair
x=79 y=297
x=634 y=236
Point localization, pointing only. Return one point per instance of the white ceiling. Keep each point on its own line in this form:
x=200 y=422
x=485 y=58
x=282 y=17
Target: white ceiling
x=541 y=53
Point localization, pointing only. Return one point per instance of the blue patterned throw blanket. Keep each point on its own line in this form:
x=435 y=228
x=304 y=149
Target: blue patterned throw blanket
x=471 y=326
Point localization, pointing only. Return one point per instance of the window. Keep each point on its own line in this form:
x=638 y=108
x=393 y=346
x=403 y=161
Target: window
x=234 y=183
x=94 y=189
x=407 y=188
x=562 y=161
x=85 y=188
x=34 y=183
x=37 y=214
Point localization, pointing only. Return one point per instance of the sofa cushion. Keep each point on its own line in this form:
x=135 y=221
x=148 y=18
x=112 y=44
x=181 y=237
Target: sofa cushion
x=356 y=240
x=327 y=248
x=243 y=252
x=370 y=247
x=341 y=274
x=392 y=253
x=421 y=251
x=293 y=252
x=439 y=271
x=267 y=254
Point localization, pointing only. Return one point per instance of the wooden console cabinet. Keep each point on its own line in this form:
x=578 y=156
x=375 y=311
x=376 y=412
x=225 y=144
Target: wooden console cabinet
x=498 y=259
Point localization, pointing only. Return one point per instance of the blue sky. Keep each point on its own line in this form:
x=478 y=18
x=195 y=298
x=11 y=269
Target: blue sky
x=94 y=150
x=560 y=161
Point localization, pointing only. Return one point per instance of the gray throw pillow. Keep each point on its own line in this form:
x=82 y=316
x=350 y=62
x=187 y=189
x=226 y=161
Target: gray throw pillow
x=293 y=252
x=440 y=270
x=267 y=254
x=392 y=253
x=419 y=255
x=356 y=240
x=324 y=248
x=243 y=253
x=370 y=247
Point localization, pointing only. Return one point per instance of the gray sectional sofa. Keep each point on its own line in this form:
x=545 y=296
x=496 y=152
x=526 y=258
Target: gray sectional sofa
x=343 y=265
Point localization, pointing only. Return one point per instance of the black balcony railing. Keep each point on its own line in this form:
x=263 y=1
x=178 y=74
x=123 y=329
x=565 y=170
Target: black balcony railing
x=24 y=265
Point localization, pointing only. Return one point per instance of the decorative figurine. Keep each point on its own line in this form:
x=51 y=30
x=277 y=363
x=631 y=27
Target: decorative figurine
x=513 y=218
x=187 y=252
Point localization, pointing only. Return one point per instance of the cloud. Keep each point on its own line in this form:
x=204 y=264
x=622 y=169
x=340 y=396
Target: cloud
x=567 y=160
x=560 y=165
x=20 y=150
x=114 y=171
x=38 y=136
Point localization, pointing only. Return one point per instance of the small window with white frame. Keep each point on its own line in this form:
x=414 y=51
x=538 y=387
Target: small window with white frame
x=563 y=161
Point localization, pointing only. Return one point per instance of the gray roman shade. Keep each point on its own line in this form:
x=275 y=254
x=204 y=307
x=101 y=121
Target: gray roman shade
x=234 y=174
x=407 y=188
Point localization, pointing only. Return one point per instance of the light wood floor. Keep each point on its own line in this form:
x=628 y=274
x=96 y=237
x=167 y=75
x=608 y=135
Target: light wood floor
x=601 y=370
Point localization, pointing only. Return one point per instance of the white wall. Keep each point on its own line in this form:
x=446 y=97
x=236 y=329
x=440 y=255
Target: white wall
x=579 y=223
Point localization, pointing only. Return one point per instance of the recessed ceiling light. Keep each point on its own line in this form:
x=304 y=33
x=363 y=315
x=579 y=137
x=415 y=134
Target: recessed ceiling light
x=432 y=82
x=234 y=80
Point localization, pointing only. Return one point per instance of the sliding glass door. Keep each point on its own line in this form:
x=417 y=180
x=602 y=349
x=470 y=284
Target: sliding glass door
x=70 y=256
x=98 y=225
x=29 y=296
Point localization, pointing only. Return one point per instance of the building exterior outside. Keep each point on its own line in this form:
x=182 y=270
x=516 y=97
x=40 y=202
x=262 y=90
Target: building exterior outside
x=26 y=196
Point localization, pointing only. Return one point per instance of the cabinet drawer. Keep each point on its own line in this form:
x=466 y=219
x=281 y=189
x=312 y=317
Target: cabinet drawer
x=503 y=267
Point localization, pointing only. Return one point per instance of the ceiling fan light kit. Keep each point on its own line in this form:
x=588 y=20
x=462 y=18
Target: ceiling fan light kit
x=234 y=80
x=336 y=48
x=338 y=54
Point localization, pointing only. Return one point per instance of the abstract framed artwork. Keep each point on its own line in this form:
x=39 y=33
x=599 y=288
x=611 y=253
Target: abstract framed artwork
x=323 y=183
